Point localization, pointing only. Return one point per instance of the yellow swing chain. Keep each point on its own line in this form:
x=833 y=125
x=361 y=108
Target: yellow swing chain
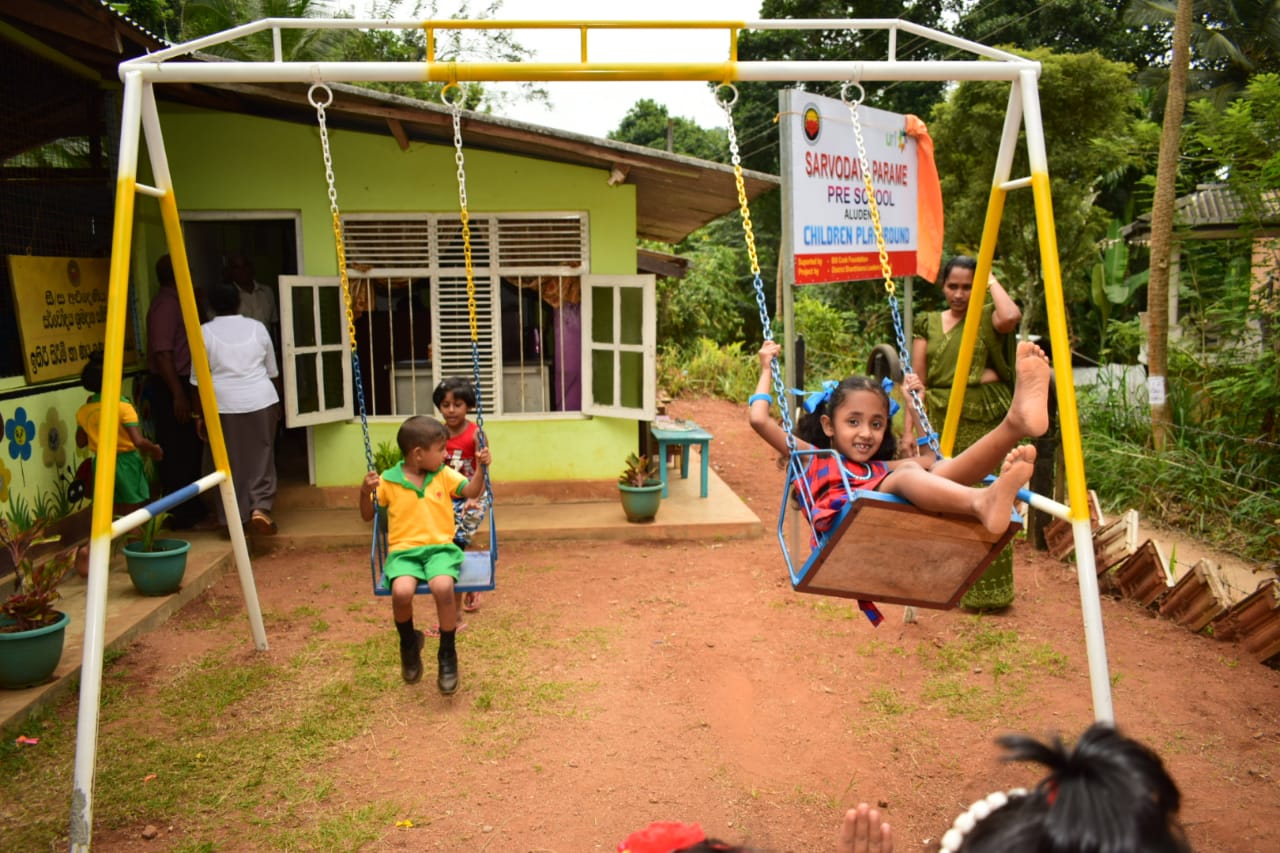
x=455 y=107
x=321 y=96
x=748 y=231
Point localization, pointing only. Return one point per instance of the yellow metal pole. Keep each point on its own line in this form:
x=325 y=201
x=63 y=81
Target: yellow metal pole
x=1060 y=348
x=973 y=318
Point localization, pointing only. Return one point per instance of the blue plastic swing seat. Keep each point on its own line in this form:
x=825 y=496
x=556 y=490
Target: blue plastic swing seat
x=881 y=548
x=479 y=568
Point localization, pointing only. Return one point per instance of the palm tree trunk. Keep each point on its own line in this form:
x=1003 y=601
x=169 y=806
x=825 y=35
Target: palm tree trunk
x=1162 y=228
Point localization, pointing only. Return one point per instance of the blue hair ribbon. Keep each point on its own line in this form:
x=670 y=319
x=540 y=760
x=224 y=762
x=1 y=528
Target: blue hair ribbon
x=814 y=399
x=887 y=385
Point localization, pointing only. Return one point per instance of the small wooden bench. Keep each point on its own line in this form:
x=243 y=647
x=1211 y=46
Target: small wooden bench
x=682 y=434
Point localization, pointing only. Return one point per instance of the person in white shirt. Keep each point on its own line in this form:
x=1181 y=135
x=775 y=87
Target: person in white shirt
x=243 y=363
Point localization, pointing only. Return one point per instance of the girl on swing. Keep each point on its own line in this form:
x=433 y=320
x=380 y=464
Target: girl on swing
x=852 y=418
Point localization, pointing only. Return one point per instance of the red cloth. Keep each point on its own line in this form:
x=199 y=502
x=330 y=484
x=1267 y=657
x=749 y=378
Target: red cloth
x=930 y=222
x=663 y=836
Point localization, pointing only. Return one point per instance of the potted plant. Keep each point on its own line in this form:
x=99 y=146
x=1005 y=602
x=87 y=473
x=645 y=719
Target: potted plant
x=32 y=632
x=156 y=565
x=640 y=488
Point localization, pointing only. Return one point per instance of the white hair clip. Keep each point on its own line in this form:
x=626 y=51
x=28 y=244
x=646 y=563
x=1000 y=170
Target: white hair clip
x=968 y=819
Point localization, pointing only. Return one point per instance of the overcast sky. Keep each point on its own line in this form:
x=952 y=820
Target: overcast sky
x=597 y=108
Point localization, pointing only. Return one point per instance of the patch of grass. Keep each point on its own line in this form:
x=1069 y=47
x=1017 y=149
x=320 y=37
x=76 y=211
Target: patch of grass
x=226 y=743
x=829 y=609
x=511 y=694
x=985 y=671
x=885 y=702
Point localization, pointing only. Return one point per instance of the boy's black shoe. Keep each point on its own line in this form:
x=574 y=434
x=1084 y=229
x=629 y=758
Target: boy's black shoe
x=447 y=676
x=411 y=660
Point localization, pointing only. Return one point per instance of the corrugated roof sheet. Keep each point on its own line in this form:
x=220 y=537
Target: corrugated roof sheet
x=1210 y=206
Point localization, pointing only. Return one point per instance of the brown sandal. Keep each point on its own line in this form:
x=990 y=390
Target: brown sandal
x=262 y=524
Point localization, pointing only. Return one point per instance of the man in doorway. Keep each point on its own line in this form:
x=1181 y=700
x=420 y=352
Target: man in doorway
x=169 y=361
x=256 y=300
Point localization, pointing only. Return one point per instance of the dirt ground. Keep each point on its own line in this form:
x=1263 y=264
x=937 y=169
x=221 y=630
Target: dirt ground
x=692 y=684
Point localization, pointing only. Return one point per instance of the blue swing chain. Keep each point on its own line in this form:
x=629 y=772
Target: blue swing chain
x=890 y=288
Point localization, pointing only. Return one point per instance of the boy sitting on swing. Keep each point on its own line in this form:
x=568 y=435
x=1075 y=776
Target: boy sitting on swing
x=417 y=498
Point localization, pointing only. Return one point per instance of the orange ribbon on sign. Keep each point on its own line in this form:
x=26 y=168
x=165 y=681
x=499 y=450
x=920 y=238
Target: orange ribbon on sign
x=930 y=222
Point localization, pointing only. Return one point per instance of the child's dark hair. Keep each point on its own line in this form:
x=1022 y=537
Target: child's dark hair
x=420 y=431
x=963 y=262
x=809 y=426
x=1109 y=794
x=460 y=388
x=91 y=375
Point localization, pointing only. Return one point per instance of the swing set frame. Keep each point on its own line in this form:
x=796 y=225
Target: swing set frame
x=140 y=117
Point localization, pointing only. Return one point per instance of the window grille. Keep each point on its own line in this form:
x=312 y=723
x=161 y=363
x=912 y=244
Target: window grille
x=409 y=270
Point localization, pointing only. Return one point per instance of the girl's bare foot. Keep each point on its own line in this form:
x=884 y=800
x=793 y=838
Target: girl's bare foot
x=995 y=503
x=862 y=832
x=1029 y=411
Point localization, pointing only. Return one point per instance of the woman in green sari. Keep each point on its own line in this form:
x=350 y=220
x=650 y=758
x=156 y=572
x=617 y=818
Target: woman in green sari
x=934 y=354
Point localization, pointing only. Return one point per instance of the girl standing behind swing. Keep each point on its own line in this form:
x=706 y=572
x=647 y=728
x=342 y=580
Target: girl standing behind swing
x=852 y=418
x=455 y=398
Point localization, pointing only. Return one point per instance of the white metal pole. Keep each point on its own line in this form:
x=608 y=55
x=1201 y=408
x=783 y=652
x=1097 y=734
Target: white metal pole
x=1086 y=571
x=95 y=611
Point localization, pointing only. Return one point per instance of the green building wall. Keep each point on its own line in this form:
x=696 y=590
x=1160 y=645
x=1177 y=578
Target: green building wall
x=222 y=162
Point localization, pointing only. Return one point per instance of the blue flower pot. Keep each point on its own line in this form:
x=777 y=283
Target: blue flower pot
x=28 y=658
x=640 y=503
x=157 y=572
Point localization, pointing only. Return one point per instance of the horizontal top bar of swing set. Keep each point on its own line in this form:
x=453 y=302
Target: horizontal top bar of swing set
x=155 y=67
x=453 y=72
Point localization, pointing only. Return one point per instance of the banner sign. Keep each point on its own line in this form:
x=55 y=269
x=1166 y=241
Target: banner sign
x=62 y=313
x=832 y=236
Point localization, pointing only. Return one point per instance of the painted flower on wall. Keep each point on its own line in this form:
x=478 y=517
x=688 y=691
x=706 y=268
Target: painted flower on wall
x=53 y=437
x=20 y=430
x=6 y=477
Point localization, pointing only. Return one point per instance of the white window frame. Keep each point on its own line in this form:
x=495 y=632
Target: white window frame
x=487 y=279
x=648 y=346
x=290 y=352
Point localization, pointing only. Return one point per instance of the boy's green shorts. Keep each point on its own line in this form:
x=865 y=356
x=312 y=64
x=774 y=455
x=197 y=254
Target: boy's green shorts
x=424 y=562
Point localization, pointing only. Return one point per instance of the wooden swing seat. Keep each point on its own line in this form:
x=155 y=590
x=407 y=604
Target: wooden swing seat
x=899 y=554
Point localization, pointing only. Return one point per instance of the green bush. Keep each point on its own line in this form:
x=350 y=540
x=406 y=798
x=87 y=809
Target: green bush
x=708 y=369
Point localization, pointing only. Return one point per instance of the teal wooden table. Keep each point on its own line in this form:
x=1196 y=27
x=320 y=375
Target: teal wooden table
x=684 y=434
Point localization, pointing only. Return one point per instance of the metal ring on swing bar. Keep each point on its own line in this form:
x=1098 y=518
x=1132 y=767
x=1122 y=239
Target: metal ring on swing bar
x=444 y=95
x=844 y=92
x=731 y=88
x=311 y=95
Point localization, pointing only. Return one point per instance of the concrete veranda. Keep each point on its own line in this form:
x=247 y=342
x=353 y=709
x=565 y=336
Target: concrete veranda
x=308 y=518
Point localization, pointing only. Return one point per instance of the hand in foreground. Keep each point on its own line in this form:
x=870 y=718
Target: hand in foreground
x=862 y=832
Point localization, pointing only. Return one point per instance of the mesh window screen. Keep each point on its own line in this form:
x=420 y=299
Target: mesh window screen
x=57 y=172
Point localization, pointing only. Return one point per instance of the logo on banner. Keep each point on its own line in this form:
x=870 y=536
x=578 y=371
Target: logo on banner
x=812 y=123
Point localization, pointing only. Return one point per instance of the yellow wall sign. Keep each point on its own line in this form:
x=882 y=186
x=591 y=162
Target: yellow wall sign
x=62 y=313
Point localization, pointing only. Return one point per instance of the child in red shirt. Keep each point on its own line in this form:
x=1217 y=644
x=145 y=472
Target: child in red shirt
x=455 y=398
